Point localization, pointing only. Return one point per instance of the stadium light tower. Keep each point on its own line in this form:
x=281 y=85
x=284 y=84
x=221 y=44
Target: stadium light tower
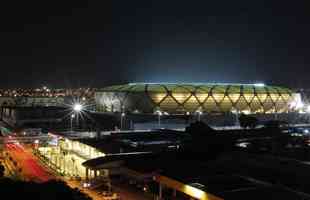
x=77 y=109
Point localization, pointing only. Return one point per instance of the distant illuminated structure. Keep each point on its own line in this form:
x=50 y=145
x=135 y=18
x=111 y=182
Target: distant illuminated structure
x=185 y=98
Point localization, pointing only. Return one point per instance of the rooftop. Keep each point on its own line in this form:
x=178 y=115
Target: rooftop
x=198 y=87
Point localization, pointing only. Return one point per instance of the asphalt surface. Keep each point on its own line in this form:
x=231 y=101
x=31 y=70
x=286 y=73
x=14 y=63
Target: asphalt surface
x=31 y=168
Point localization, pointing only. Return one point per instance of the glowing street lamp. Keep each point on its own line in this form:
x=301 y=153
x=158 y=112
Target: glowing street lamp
x=71 y=118
x=122 y=116
x=77 y=107
x=199 y=114
x=308 y=109
x=159 y=113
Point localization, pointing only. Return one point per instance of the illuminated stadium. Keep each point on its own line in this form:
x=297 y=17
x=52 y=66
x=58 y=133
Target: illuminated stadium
x=188 y=98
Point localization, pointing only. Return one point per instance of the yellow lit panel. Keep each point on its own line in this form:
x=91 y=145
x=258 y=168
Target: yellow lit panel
x=201 y=96
x=248 y=97
x=192 y=104
x=226 y=105
x=211 y=105
x=255 y=104
x=168 y=104
x=158 y=97
x=218 y=97
x=262 y=97
x=274 y=96
x=234 y=97
x=268 y=105
x=181 y=97
x=241 y=104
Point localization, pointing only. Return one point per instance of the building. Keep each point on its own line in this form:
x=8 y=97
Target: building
x=190 y=98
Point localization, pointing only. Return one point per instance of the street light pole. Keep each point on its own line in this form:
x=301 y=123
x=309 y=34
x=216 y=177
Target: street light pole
x=199 y=113
x=122 y=116
x=71 y=118
x=159 y=113
x=77 y=108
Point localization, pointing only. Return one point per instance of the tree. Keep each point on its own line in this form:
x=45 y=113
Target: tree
x=1 y=170
x=248 y=121
x=50 y=190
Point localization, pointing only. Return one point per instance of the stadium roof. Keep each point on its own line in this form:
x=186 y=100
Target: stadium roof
x=198 y=87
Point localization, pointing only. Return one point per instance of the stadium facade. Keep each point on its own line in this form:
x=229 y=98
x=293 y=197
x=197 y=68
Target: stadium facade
x=187 y=98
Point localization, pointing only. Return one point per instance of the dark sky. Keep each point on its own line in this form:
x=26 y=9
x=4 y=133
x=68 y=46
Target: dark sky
x=65 y=43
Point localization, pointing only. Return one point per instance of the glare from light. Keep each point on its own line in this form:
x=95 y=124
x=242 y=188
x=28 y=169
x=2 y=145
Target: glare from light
x=158 y=112
x=77 y=107
x=198 y=112
x=259 y=84
x=297 y=102
x=308 y=109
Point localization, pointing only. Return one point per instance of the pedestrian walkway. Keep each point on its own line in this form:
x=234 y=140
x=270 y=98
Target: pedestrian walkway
x=77 y=184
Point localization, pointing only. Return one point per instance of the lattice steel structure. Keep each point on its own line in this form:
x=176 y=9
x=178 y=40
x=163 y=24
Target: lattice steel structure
x=182 y=98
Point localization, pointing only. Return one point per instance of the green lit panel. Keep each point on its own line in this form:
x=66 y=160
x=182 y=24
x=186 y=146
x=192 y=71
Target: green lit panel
x=156 y=88
x=204 y=88
x=288 y=91
x=113 y=88
x=272 y=90
x=260 y=90
x=172 y=87
x=234 y=89
x=248 y=89
x=283 y=90
x=219 y=89
x=190 y=88
x=126 y=88
x=181 y=89
x=138 y=88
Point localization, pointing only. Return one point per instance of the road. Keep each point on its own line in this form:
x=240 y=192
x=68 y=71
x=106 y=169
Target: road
x=31 y=168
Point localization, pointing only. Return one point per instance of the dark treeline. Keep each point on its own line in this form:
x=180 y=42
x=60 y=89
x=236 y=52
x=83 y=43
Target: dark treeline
x=51 y=190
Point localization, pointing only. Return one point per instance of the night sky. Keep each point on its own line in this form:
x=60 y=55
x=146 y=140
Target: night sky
x=70 y=44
